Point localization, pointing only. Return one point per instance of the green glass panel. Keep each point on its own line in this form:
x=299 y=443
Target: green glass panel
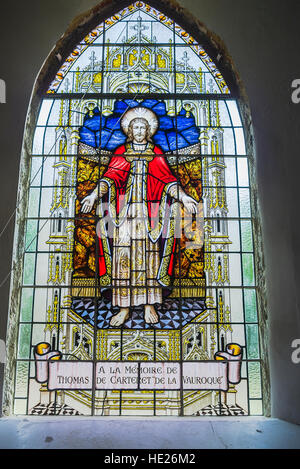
x=248 y=270
x=254 y=380
x=252 y=341
x=29 y=267
x=31 y=235
x=33 y=203
x=245 y=210
x=246 y=231
x=22 y=379
x=250 y=306
x=255 y=407
x=26 y=304
x=244 y=369
x=24 y=341
x=35 y=177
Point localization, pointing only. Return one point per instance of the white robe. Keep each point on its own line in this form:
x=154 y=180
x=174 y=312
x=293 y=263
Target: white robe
x=136 y=258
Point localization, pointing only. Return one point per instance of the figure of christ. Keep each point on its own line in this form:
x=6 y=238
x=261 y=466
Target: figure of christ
x=139 y=176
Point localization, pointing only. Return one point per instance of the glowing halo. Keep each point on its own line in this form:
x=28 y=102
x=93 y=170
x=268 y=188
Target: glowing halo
x=140 y=113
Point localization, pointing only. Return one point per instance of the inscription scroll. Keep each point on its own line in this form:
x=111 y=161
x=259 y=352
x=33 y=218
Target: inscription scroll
x=138 y=376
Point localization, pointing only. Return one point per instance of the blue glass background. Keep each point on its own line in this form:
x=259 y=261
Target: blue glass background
x=105 y=131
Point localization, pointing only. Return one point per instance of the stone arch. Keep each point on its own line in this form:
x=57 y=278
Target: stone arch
x=217 y=51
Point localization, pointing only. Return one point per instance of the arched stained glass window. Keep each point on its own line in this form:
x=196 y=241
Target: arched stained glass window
x=139 y=289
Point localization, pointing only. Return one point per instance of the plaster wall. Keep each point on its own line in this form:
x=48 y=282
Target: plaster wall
x=262 y=38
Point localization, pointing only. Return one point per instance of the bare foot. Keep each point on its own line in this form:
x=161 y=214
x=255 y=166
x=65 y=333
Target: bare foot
x=151 y=316
x=120 y=318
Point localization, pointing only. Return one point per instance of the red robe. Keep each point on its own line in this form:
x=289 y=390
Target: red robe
x=158 y=177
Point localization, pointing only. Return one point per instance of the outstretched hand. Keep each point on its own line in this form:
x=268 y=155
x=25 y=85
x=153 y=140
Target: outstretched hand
x=88 y=203
x=189 y=204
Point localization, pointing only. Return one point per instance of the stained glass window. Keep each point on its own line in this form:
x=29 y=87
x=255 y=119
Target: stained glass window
x=139 y=287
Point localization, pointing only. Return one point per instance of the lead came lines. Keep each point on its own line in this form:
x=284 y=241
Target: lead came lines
x=158 y=338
